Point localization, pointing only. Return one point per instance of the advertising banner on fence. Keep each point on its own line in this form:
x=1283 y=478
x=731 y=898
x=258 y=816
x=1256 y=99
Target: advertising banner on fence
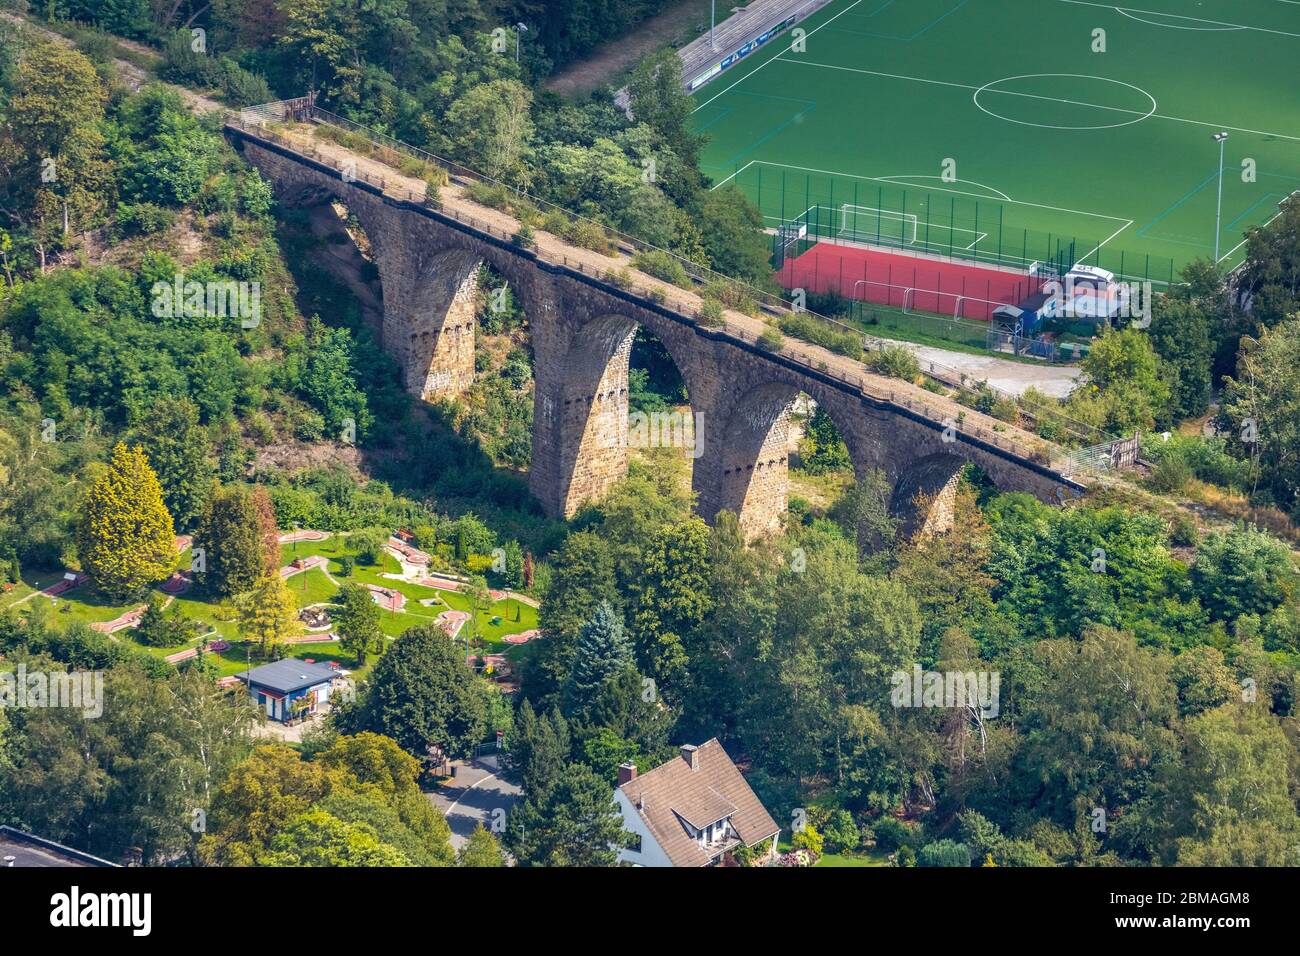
x=732 y=58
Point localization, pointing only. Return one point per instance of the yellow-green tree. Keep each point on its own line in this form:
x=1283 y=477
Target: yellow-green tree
x=267 y=614
x=125 y=539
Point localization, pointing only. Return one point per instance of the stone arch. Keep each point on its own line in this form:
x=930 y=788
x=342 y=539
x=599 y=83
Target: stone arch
x=748 y=465
x=748 y=470
x=581 y=435
x=429 y=311
x=303 y=190
x=924 y=492
x=435 y=342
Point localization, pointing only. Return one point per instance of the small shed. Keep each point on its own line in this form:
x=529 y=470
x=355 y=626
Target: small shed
x=1027 y=317
x=290 y=688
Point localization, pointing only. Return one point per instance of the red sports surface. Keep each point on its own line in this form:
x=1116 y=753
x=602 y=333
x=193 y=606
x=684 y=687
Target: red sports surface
x=918 y=283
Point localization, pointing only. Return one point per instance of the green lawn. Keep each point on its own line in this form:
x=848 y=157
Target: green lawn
x=868 y=858
x=994 y=131
x=18 y=592
x=84 y=604
x=310 y=587
x=232 y=660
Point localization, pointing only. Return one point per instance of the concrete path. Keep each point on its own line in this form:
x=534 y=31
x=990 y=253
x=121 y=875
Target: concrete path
x=1005 y=376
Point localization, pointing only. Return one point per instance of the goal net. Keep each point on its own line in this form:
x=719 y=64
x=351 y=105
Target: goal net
x=868 y=223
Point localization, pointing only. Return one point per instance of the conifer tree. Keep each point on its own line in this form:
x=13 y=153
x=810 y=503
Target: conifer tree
x=239 y=540
x=125 y=539
x=603 y=651
x=357 y=618
x=268 y=613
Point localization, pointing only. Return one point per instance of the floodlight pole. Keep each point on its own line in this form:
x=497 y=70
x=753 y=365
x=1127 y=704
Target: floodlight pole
x=1221 y=138
x=713 y=19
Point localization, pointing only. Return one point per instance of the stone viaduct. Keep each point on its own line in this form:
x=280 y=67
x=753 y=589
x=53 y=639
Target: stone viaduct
x=582 y=329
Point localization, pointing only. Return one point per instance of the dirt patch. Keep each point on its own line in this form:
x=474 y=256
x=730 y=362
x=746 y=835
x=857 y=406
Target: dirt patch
x=611 y=61
x=293 y=456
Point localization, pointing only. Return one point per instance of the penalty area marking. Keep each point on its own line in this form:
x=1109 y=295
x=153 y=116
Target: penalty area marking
x=997 y=193
x=1175 y=16
x=1226 y=28
x=955 y=192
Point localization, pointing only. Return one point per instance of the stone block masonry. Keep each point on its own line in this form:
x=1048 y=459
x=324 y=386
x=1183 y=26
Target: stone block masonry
x=582 y=328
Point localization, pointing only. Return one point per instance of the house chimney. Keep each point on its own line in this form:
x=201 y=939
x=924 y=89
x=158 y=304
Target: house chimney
x=626 y=773
x=690 y=753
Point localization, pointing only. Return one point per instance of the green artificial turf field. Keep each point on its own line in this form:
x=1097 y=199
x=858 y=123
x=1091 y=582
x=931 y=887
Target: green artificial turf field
x=1051 y=143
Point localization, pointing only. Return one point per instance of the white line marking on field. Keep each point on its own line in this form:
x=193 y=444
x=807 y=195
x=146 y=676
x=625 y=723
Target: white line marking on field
x=1231 y=28
x=1271 y=218
x=1175 y=16
x=1000 y=193
x=1106 y=240
x=777 y=57
x=1054 y=99
x=956 y=192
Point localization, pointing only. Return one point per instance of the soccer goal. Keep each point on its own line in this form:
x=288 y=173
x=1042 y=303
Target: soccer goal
x=868 y=223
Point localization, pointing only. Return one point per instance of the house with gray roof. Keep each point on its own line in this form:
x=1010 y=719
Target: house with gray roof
x=290 y=688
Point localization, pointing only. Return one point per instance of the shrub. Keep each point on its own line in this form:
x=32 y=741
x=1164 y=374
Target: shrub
x=1050 y=429
x=896 y=362
x=771 y=340
x=164 y=626
x=747 y=855
x=808 y=839
x=947 y=853
x=308 y=425
x=143 y=219
x=1205 y=458
x=841 y=832
x=892 y=833
x=663 y=266
x=524 y=238
x=589 y=235
x=829 y=303
x=732 y=295
x=410 y=166
x=489 y=194
x=711 y=314
x=1182 y=531
x=1172 y=473
x=1004 y=409
x=810 y=329
x=367 y=545
x=181 y=63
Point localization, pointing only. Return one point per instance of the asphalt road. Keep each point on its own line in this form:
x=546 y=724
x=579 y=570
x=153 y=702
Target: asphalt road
x=478 y=794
